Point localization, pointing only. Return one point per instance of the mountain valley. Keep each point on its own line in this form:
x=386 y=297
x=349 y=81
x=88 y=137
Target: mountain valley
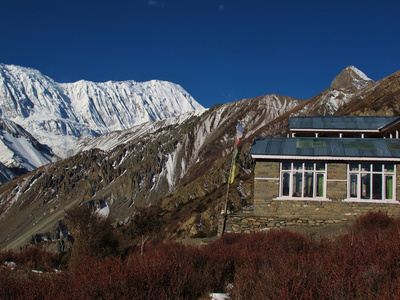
x=179 y=164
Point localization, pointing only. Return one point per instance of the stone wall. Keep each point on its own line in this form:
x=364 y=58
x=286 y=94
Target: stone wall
x=271 y=213
x=245 y=222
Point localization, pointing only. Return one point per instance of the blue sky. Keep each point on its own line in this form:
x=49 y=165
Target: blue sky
x=218 y=50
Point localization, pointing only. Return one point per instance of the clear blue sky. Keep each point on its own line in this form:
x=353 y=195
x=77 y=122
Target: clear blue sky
x=218 y=50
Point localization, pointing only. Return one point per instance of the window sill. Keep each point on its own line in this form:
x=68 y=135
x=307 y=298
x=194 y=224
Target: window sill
x=372 y=201
x=301 y=199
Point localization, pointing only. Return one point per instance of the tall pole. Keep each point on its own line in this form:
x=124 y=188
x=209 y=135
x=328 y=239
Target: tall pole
x=229 y=183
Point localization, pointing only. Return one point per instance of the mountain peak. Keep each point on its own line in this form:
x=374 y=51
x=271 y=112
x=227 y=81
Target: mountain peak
x=351 y=78
x=50 y=110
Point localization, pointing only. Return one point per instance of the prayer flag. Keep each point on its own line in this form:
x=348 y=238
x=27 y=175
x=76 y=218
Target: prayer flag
x=239 y=134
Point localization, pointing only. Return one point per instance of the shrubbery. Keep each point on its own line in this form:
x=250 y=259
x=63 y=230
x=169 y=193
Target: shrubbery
x=362 y=264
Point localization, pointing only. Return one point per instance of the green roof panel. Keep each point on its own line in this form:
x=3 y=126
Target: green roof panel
x=337 y=123
x=334 y=147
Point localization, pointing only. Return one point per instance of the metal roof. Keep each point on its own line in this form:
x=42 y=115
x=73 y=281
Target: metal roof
x=345 y=122
x=329 y=148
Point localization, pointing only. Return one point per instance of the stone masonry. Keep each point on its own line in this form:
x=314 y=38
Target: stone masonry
x=271 y=213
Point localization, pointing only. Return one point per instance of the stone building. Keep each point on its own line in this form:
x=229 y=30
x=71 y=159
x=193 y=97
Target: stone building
x=330 y=170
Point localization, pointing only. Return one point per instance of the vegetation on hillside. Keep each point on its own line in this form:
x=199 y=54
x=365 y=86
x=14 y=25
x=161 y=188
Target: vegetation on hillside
x=361 y=264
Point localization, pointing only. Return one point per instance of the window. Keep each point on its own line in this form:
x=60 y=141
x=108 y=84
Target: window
x=303 y=180
x=371 y=181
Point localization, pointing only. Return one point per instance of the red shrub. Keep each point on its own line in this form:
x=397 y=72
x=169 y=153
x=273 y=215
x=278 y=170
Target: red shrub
x=34 y=258
x=6 y=256
x=167 y=271
x=29 y=285
x=363 y=264
x=99 y=278
x=371 y=221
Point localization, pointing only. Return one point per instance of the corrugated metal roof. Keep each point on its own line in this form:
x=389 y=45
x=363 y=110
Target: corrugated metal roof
x=345 y=122
x=335 y=147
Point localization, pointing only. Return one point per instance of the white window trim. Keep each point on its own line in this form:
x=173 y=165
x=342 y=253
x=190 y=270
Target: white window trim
x=291 y=172
x=371 y=172
x=288 y=198
x=371 y=201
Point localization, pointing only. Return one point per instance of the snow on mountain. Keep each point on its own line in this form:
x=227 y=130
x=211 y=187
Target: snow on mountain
x=360 y=74
x=351 y=78
x=20 y=152
x=109 y=141
x=5 y=174
x=110 y=106
x=182 y=141
x=57 y=114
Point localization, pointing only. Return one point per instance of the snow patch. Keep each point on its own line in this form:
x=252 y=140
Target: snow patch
x=104 y=209
x=360 y=73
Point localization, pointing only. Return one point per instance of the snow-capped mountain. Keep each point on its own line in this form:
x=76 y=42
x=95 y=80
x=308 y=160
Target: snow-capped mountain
x=343 y=87
x=20 y=152
x=351 y=78
x=57 y=114
x=111 y=105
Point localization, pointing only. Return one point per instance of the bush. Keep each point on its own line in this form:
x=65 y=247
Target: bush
x=92 y=233
x=363 y=264
x=371 y=222
x=34 y=258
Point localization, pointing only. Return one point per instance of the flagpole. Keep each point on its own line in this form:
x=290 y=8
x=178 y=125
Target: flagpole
x=230 y=177
x=227 y=190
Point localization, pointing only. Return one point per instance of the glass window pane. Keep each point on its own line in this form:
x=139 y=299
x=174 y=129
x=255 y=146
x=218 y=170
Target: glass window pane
x=372 y=181
x=297 y=184
x=285 y=184
x=389 y=187
x=309 y=184
x=297 y=166
x=366 y=167
x=353 y=186
x=309 y=166
x=377 y=186
x=366 y=186
x=389 y=167
x=377 y=167
x=354 y=167
x=303 y=179
x=320 y=185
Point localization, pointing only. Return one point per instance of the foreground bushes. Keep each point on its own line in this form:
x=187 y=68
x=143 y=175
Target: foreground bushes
x=363 y=264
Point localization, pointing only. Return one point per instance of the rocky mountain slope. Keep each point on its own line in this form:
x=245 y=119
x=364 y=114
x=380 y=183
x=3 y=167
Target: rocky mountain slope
x=351 y=79
x=57 y=114
x=180 y=164
x=381 y=99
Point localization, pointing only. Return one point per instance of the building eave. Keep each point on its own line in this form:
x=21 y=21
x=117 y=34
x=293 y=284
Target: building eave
x=323 y=158
x=335 y=130
x=390 y=126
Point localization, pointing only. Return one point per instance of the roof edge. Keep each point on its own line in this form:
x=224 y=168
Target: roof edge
x=324 y=158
